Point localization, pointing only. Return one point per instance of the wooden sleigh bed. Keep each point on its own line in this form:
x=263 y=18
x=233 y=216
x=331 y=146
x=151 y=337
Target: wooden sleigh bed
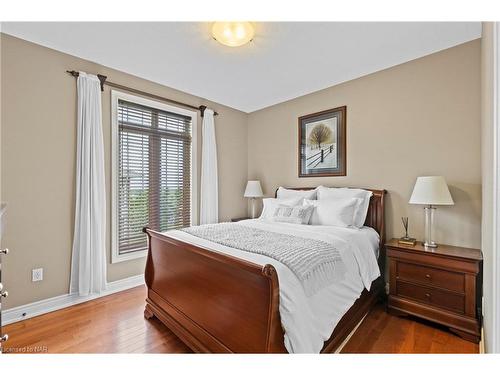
x=216 y=303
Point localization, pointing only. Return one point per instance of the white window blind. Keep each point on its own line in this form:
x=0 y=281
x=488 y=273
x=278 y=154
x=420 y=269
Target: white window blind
x=154 y=177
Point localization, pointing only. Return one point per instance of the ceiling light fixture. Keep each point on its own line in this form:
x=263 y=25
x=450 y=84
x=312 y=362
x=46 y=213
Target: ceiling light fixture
x=233 y=34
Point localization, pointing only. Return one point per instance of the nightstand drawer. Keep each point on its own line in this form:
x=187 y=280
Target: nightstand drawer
x=431 y=296
x=431 y=276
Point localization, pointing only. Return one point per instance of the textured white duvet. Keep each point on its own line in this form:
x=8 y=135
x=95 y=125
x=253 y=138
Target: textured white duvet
x=309 y=321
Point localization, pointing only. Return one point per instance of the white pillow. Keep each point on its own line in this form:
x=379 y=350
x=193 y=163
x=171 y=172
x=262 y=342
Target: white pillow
x=289 y=193
x=336 y=212
x=338 y=193
x=270 y=205
x=294 y=214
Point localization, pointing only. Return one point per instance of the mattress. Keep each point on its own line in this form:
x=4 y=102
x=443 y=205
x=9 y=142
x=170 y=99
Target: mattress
x=308 y=321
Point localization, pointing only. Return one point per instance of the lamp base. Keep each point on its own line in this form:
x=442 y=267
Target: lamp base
x=429 y=227
x=253 y=207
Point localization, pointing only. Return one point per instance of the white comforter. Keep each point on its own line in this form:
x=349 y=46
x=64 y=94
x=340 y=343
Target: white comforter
x=309 y=321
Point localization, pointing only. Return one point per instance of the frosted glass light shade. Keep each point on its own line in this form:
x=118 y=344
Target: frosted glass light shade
x=253 y=190
x=431 y=190
x=233 y=34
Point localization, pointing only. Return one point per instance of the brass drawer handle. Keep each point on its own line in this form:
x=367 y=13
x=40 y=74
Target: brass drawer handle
x=427 y=295
x=428 y=277
x=4 y=338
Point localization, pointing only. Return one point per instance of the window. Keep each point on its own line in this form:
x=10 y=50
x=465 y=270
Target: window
x=152 y=173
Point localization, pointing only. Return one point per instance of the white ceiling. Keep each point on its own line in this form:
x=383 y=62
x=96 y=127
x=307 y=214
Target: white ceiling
x=285 y=60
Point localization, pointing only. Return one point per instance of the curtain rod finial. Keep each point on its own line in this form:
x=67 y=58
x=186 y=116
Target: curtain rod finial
x=74 y=73
x=102 y=79
x=202 y=109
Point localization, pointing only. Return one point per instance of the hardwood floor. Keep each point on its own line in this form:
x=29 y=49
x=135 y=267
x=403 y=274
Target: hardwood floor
x=381 y=332
x=115 y=324
x=111 y=324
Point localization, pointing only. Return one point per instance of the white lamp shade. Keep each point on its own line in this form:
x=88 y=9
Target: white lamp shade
x=431 y=190
x=253 y=190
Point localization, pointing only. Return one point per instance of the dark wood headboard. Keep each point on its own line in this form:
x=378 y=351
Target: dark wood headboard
x=375 y=217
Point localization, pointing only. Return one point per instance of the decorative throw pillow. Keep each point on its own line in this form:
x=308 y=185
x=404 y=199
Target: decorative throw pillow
x=270 y=204
x=336 y=212
x=290 y=193
x=339 y=193
x=295 y=214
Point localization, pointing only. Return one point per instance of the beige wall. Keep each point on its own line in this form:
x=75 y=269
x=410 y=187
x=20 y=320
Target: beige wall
x=418 y=118
x=487 y=153
x=38 y=164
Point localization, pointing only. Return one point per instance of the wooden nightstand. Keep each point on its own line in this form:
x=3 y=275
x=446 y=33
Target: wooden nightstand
x=239 y=219
x=442 y=284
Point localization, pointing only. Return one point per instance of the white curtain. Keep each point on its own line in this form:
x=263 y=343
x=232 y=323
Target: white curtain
x=88 y=263
x=209 y=208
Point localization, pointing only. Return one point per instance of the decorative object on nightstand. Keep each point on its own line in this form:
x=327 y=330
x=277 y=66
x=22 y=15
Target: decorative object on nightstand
x=406 y=240
x=431 y=191
x=441 y=284
x=253 y=191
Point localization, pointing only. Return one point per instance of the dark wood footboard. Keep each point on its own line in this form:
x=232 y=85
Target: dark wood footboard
x=213 y=302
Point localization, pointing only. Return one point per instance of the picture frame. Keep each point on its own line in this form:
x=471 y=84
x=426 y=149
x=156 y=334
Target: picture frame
x=322 y=143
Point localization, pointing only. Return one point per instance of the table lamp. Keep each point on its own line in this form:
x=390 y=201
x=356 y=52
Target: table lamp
x=430 y=191
x=253 y=191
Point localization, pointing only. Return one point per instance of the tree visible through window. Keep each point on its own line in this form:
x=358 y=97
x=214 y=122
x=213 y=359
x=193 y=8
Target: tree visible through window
x=154 y=177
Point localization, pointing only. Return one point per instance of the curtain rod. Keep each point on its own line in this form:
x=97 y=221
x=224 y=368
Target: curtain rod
x=104 y=81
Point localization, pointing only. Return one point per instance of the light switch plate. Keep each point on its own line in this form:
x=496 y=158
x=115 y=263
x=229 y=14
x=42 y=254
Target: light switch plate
x=37 y=274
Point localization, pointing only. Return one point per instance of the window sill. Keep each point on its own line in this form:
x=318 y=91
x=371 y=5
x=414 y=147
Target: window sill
x=116 y=258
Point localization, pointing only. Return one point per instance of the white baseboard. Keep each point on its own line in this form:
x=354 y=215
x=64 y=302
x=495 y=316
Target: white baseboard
x=31 y=310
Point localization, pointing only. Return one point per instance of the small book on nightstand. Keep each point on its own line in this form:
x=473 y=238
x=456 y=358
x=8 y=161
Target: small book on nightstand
x=407 y=241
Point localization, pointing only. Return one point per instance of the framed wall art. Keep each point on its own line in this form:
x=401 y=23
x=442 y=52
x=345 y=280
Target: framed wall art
x=322 y=143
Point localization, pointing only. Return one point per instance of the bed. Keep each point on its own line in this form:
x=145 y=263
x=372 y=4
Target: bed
x=218 y=300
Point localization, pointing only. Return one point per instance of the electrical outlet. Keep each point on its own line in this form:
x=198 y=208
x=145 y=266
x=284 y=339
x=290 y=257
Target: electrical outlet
x=37 y=274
